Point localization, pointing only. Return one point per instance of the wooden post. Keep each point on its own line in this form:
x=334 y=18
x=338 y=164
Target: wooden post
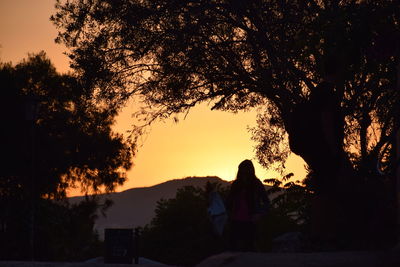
x=136 y=246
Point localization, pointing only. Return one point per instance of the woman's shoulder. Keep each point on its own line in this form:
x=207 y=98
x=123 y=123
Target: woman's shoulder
x=259 y=184
x=258 y=181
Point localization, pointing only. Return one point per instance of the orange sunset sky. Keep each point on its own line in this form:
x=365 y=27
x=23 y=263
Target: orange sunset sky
x=204 y=143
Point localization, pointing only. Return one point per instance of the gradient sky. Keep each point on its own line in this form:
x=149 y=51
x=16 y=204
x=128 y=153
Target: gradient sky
x=204 y=143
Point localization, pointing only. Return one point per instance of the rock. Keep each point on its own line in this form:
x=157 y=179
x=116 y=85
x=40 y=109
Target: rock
x=288 y=242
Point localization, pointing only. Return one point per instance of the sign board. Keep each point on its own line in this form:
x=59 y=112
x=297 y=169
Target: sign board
x=118 y=246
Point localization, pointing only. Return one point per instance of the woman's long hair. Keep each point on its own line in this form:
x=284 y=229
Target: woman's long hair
x=246 y=182
x=246 y=176
x=246 y=171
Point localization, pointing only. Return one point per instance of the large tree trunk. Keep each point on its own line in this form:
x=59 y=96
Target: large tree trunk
x=316 y=131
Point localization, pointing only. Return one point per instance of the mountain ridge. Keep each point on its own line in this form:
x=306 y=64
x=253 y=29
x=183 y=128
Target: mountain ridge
x=135 y=207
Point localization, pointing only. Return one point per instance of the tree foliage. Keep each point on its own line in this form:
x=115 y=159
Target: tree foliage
x=238 y=54
x=181 y=233
x=291 y=199
x=63 y=142
x=68 y=143
x=62 y=232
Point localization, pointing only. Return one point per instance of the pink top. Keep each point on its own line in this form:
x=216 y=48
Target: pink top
x=241 y=210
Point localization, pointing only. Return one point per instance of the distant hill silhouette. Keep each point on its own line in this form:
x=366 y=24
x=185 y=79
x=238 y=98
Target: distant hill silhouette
x=135 y=207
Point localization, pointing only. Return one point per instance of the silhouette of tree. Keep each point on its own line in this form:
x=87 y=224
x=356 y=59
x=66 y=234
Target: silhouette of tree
x=180 y=233
x=69 y=143
x=243 y=54
x=325 y=71
x=72 y=138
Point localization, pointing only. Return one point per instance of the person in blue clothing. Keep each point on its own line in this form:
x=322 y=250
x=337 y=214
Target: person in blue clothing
x=247 y=202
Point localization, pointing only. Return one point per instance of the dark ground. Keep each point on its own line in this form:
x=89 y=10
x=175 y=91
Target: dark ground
x=324 y=259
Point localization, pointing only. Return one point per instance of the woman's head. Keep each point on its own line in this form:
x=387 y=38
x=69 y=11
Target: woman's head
x=246 y=171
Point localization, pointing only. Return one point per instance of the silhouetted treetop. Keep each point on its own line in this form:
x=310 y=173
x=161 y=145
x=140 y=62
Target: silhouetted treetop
x=68 y=143
x=240 y=54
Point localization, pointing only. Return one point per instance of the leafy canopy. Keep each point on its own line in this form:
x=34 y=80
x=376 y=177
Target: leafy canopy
x=68 y=143
x=240 y=54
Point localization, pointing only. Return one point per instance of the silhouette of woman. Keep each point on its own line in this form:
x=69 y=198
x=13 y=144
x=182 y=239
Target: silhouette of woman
x=246 y=203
